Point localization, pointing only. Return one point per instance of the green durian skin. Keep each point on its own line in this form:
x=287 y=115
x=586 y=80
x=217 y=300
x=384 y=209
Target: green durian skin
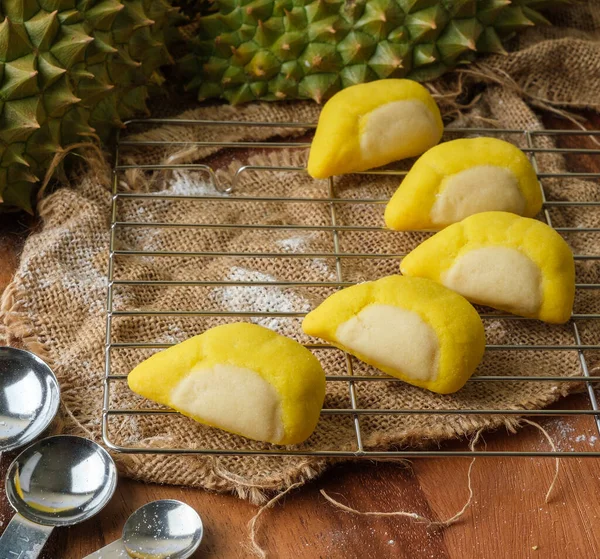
x=70 y=72
x=247 y=50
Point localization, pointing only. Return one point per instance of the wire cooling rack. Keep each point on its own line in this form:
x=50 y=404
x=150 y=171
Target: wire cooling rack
x=536 y=144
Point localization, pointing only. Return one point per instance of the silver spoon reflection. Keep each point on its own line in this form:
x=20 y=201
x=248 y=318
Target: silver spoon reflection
x=58 y=481
x=29 y=397
x=165 y=529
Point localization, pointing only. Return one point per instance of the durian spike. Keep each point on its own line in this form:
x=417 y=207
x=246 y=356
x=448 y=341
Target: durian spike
x=14 y=42
x=19 y=120
x=20 y=78
x=42 y=29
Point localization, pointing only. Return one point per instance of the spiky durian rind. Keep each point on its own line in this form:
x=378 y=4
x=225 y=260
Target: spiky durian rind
x=310 y=49
x=70 y=70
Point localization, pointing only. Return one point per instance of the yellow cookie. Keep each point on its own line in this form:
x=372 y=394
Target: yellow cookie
x=460 y=178
x=512 y=263
x=372 y=124
x=410 y=328
x=242 y=378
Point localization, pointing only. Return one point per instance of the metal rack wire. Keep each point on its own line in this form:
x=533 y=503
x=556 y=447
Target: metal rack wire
x=334 y=228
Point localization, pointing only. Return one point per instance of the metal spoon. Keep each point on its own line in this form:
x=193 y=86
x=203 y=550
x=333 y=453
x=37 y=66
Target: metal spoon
x=29 y=397
x=58 y=481
x=165 y=529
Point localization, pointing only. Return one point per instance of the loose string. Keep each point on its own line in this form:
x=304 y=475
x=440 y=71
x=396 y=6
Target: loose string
x=413 y=515
x=253 y=523
x=254 y=545
x=453 y=519
x=553 y=447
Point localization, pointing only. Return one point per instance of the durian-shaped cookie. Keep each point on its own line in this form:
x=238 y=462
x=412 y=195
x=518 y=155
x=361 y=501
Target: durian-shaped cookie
x=372 y=124
x=501 y=260
x=460 y=178
x=411 y=328
x=240 y=377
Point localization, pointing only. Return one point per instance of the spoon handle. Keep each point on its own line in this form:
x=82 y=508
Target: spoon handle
x=23 y=539
x=113 y=550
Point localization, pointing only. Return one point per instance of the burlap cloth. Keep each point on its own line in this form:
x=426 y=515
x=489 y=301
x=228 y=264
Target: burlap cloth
x=55 y=306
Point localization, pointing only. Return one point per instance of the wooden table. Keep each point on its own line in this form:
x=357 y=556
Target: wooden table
x=508 y=517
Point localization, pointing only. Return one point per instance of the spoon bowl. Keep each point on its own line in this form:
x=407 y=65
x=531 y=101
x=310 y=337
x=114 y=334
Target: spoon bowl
x=61 y=481
x=165 y=529
x=29 y=397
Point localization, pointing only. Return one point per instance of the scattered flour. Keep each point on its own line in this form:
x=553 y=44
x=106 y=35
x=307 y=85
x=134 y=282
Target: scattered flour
x=191 y=184
x=320 y=265
x=259 y=298
x=291 y=245
x=185 y=183
x=173 y=334
x=591 y=440
x=90 y=285
x=565 y=437
x=295 y=244
x=180 y=184
x=564 y=428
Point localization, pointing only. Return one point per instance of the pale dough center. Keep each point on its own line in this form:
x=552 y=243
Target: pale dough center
x=232 y=398
x=499 y=277
x=394 y=338
x=479 y=189
x=393 y=125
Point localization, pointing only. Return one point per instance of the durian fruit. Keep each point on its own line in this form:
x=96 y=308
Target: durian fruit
x=70 y=71
x=372 y=124
x=463 y=177
x=310 y=49
x=411 y=328
x=239 y=377
x=501 y=260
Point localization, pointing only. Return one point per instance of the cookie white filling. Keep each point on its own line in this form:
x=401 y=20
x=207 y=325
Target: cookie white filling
x=499 y=277
x=232 y=398
x=393 y=337
x=479 y=189
x=396 y=124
